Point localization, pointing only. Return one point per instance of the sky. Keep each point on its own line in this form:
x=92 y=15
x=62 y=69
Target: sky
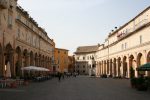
x=73 y=23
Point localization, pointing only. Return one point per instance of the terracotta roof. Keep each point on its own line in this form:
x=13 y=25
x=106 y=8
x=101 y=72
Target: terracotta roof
x=86 y=49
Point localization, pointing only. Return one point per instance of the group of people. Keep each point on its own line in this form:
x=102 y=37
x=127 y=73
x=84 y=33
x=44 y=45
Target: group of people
x=62 y=75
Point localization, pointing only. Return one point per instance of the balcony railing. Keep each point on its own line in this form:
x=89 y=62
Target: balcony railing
x=3 y=4
x=132 y=29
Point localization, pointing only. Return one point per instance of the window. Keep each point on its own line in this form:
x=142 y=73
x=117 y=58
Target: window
x=18 y=33
x=19 y=16
x=122 y=46
x=83 y=58
x=10 y=21
x=125 y=45
x=27 y=23
x=83 y=66
x=58 y=61
x=140 y=39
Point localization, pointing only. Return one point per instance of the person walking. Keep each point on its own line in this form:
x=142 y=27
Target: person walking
x=59 y=76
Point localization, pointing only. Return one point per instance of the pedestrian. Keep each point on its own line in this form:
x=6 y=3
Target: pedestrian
x=63 y=75
x=59 y=76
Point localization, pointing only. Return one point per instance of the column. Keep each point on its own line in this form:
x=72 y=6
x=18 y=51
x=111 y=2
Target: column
x=128 y=68
x=117 y=71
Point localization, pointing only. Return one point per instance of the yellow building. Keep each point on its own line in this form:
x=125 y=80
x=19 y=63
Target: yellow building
x=61 y=60
x=22 y=41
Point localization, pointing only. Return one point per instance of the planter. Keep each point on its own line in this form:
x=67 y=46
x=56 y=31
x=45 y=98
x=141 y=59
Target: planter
x=133 y=82
x=142 y=87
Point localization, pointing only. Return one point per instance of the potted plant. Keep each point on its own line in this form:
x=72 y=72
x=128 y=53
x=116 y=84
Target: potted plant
x=132 y=78
x=141 y=84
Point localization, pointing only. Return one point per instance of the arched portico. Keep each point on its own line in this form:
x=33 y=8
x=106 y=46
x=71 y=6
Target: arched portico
x=1 y=64
x=36 y=59
x=9 y=58
x=111 y=66
x=18 y=62
x=114 y=68
x=125 y=66
x=25 y=58
x=31 y=58
x=102 y=68
x=119 y=66
x=105 y=67
x=148 y=60
x=108 y=67
x=131 y=64
x=140 y=61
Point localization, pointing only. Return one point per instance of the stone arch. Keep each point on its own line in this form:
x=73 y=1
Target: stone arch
x=140 y=61
x=31 y=58
x=102 y=67
x=105 y=67
x=148 y=60
x=49 y=64
x=132 y=64
x=99 y=67
x=36 y=59
x=40 y=60
x=9 y=57
x=108 y=67
x=148 y=56
x=125 y=67
x=18 y=62
x=111 y=67
x=46 y=62
x=119 y=66
x=114 y=68
x=43 y=61
x=131 y=60
x=1 y=64
x=25 y=58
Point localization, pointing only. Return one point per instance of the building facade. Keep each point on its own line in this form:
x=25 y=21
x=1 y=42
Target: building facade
x=61 y=60
x=71 y=64
x=22 y=41
x=126 y=47
x=85 y=60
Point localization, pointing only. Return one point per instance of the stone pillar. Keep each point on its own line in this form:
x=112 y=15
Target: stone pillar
x=121 y=69
x=110 y=68
x=128 y=68
x=113 y=72
x=28 y=59
x=12 y=63
x=117 y=71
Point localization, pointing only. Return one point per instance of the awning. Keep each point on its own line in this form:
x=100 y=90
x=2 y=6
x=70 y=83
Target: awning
x=34 y=68
x=145 y=67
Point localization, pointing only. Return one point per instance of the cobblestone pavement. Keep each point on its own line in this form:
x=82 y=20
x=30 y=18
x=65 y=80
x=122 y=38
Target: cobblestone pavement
x=79 y=88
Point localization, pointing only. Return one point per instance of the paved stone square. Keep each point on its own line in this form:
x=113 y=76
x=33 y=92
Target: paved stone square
x=79 y=88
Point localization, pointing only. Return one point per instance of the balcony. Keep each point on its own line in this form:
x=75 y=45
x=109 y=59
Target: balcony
x=3 y=4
